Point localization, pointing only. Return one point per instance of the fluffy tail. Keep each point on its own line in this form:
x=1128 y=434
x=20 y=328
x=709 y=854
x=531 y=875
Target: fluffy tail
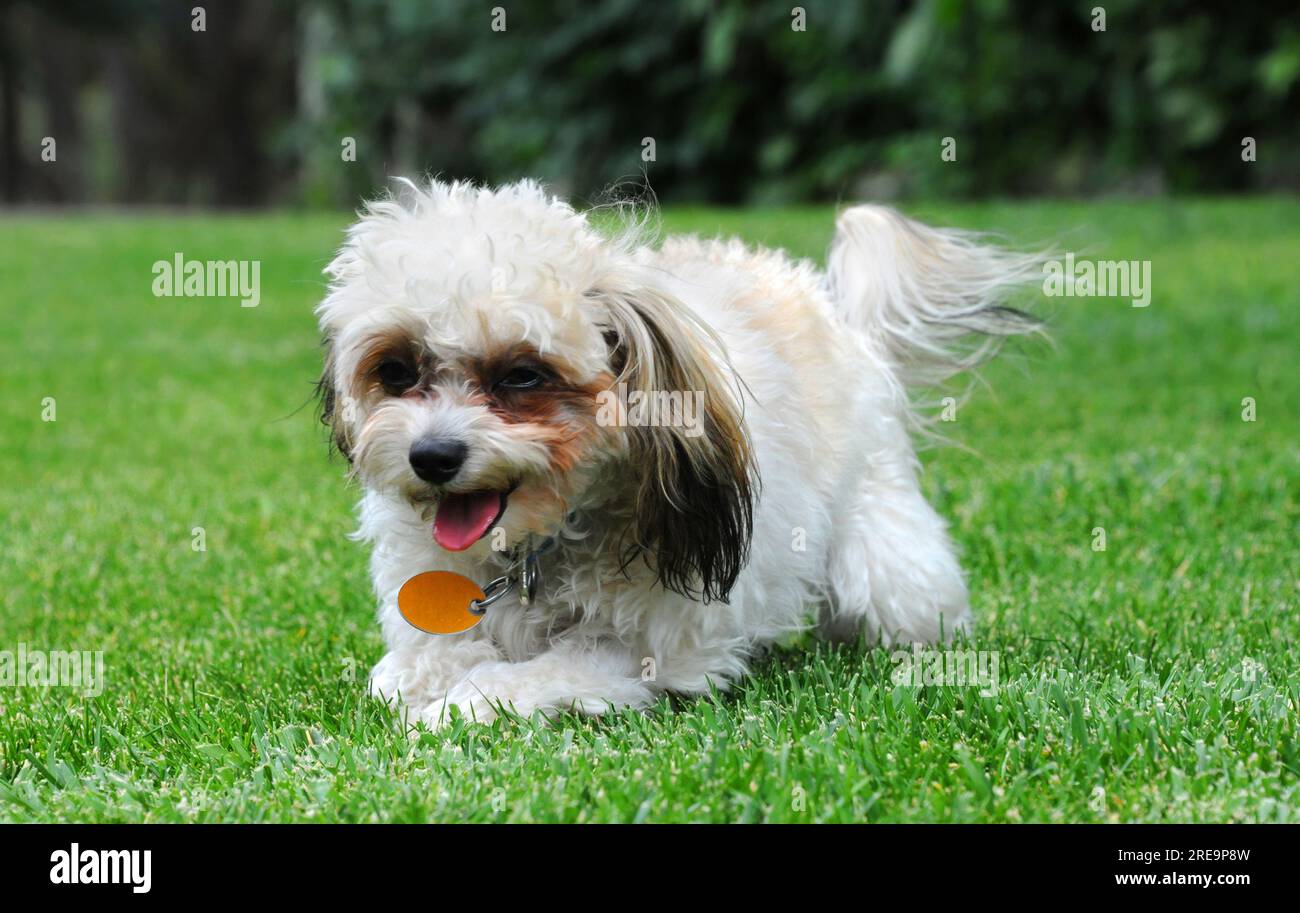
x=932 y=299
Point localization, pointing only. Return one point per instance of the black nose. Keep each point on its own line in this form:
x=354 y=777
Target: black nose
x=437 y=459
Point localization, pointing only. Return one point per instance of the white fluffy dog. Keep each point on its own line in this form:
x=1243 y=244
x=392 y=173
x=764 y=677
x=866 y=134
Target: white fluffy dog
x=701 y=447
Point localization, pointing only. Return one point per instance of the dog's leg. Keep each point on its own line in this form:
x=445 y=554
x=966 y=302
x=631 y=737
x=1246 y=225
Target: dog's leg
x=928 y=303
x=419 y=669
x=581 y=675
x=892 y=568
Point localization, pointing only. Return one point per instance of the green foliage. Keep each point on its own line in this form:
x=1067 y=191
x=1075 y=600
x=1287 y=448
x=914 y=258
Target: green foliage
x=744 y=108
x=1154 y=681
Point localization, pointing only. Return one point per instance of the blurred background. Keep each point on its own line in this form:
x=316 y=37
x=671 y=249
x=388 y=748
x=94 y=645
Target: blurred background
x=254 y=110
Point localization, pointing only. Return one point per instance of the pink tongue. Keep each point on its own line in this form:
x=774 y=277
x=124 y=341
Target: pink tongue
x=462 y=520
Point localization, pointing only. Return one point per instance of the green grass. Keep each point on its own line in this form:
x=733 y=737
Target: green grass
x=1153 y=681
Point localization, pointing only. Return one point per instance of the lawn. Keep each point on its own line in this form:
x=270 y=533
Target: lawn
x=1156 y=680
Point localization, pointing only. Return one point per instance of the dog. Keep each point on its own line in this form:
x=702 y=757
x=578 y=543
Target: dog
x=492 y=356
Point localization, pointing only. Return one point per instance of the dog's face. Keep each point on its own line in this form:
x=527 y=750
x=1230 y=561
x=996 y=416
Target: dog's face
x=474 y=338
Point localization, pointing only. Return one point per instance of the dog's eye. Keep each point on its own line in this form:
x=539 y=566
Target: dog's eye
x=396 y=375
x=521 y=379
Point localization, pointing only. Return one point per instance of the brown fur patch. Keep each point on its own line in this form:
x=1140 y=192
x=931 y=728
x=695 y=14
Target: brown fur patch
x=380 y=347
x=559 y=413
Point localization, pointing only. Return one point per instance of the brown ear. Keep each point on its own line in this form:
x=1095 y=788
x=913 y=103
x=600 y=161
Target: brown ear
x=329 y=407
x=696 y=485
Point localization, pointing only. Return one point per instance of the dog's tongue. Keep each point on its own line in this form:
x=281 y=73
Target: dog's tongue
x=462 y=520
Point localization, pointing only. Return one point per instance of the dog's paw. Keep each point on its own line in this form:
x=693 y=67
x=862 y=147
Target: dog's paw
x=383 y=686
x=439 y=714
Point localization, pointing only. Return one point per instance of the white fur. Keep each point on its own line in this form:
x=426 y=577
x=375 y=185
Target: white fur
x=841 y=533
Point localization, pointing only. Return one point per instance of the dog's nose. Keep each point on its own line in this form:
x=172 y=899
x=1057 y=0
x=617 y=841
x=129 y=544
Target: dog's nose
x=437 y=459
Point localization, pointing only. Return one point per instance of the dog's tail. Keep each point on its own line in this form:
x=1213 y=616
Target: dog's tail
x=933 y=300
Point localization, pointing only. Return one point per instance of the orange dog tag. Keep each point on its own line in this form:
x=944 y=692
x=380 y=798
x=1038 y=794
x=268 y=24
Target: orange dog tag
x=438 y=602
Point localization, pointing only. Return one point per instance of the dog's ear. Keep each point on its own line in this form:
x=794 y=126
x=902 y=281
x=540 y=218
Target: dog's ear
x=329 y=407
x=695 y=475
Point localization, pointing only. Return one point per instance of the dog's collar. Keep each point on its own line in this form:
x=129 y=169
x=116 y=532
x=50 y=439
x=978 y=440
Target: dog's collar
x=525 y=574
x=444 y=602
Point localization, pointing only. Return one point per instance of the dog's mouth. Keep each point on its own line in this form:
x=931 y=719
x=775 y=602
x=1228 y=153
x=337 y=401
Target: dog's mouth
x=463 y=519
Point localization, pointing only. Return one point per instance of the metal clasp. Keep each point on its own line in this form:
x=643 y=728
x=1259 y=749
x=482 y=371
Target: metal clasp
x=529 y=576
x=528 y=580
x=491 y=593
